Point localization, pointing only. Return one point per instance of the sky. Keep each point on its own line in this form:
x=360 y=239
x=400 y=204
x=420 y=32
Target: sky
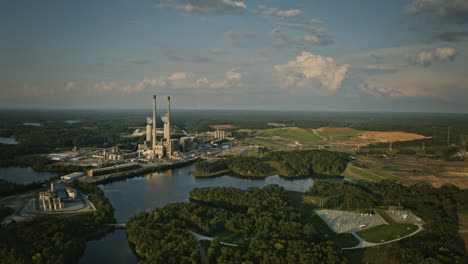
x=317 y=55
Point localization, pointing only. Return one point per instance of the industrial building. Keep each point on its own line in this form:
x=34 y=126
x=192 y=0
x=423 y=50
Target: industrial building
x=164 y=148
x=72 y=176
x=113 y=169
x=53 y=199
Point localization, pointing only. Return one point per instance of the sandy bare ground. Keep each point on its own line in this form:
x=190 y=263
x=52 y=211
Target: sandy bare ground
x=374 y=136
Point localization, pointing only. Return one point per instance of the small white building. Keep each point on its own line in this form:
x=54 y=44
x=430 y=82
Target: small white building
x=72 y=176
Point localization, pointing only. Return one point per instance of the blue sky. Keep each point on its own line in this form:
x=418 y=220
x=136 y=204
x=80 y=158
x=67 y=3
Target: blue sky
x=233 y=54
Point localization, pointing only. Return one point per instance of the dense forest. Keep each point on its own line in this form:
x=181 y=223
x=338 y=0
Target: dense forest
x=304 y=163
x=56 y=239
x=438 y=207
x=343 y=196
x=270 y=230
x=310 y=162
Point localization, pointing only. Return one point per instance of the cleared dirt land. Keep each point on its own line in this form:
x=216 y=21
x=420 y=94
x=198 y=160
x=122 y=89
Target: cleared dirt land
x=344 y=136
x=410 y=169
x=375 y=137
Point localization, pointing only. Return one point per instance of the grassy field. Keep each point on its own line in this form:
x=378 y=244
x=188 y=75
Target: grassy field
x=265 y=142
x=383 y=233
x=334 y=135
x=296 y=134
x=376 y=175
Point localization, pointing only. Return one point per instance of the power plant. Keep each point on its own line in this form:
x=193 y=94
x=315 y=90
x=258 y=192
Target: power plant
x=166 y=147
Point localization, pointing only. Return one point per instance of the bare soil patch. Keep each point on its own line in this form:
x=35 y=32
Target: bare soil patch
x=374 y=136
x=335 y=129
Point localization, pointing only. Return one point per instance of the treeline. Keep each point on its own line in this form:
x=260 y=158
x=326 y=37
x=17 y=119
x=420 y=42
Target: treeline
x=309 y=162
x=305 y=163
x=343 y=196
x=9 y=188
x=240 y=166
x=250 y=167
x=205 y=168
x=56 y=239
x=271 y=196
x=104 y=211
x=5 y=211
x=270 y=230
x=438 y=208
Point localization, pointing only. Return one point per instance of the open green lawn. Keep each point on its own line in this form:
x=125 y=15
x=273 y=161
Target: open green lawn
x=383 y=233
x=340 y=135
x=301 y=135
x=365 y=173
x=265 y=142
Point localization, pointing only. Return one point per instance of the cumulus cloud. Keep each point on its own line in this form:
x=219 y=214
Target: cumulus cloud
x=309 y=70
x=426 y=58
x=69 y=86
x=176 y=76
x=379 y=69
x=105 y=87
x=275 y=12
x=177 y=81
x=281 y=39
x=417 y=83
x=205 y=6
x=310 y=26
x=445 y=11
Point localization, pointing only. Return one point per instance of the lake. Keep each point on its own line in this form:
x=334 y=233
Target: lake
x=8 y=141
x=156 y=190
x=24 y=175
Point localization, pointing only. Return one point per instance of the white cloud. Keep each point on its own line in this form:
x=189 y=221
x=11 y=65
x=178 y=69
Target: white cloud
x=417 y=83
x=281 y=39
x=308 y=70
x=275 y=12
x=105 y=87
x=69 y=86
x=428 y=57
x=445 y=11
x=205 y=6
x=176 y=76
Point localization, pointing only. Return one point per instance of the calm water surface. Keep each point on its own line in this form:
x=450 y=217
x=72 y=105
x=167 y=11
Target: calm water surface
x=24 y=175
x=8 y=141
x=156 y=190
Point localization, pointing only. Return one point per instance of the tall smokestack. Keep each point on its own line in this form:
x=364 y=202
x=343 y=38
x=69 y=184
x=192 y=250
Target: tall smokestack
x=154 y=121
x=169 y=118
